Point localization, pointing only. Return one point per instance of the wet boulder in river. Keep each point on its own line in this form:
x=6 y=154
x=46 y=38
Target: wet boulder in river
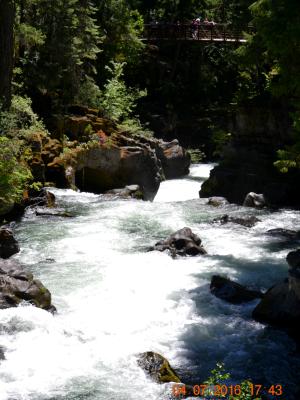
x=217 y=201
x=8 y=244
x=103 y=168
x=280 y=305
x=52 y=212
x=232 y=292
x=17 y=285
x=254 y=200
x=128 y=192
x=183 y=242
x=248 y=222
x=175 y=160
x=284 y=233
x=293 y=259
x=157 y=367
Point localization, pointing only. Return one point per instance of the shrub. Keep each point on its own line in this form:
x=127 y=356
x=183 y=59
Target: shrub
x=219 y=376
x=19 y=119
x=14 y=174
x=118 y=100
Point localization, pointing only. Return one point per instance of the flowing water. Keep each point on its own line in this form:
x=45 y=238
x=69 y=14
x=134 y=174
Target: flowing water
x=115 y=299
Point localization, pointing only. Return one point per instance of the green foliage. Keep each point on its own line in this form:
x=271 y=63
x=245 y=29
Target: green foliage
x=36 y=186
x=58 y=45
x=219 y=376
x=289 y=157
x=14 y=173
x=119 y=101
x=220 y=139
x=121 y=27
x=134 y=127
x=88 y=93
x=20 y=120
x=278 y=29
x=196 y=155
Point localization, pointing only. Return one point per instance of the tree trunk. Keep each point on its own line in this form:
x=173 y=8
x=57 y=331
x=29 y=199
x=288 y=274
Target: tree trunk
x=7 y=15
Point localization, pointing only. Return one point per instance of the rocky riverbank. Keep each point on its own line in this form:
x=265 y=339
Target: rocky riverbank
x=247 y=163
x=92 y=153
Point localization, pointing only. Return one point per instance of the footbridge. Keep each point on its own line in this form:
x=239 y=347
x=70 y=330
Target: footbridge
x=202 y=33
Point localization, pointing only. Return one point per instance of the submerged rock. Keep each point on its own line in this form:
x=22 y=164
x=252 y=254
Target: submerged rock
x=293 y=259
x=280 y=306
x=2 y=356
x=183 y=242
x=248 y=222
x=130 y=191
x=52 y=212
x=157 y=367
x=17 y=285
x=254 y=200
x=8 y=244
x=217 y=201
x=285 y=233
x=232 y=292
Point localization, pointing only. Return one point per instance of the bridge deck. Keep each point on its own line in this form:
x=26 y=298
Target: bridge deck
x=187 y=32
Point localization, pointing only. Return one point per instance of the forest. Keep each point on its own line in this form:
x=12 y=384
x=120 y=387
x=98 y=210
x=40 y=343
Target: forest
x=93 y=54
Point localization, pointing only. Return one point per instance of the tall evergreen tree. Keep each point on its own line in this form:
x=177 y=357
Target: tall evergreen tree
x=68 y=39
x=7 y=14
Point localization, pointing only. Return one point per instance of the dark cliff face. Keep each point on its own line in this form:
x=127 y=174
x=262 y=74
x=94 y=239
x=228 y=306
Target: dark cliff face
x=247 y=164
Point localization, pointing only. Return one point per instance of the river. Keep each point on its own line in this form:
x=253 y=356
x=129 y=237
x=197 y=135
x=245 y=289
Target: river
x=115 y=299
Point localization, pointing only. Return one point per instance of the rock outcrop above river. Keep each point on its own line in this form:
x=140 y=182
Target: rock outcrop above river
x=17 y=285
x=247 y=163
x=8 y=244
x=183 y=242
x=100 y=169
x=31 y=198
x=157 y=367
x=175 y=161
x=101 y=156
x=280 y=305
x=231 y=291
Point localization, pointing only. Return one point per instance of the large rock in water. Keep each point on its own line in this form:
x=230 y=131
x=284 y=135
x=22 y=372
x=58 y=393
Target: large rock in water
x=175 y=160
x=128 y=192
x=8 y=244
x=247 y=163
x=248 y=222
x=118 y=159
x=2 y=356
x=17 y=285
x=99 y=169
x=183 y=242
x=157 y=367
x=280 y=306
x=254 y=200
x=284 y=233
x=232 y=292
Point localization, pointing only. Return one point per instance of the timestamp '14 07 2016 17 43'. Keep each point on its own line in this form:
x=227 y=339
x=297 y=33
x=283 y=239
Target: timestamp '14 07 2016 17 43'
x=220 y=391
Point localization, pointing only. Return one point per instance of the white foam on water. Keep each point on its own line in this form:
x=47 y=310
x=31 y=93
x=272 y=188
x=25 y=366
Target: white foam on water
x=115 y=299
x=184 y=189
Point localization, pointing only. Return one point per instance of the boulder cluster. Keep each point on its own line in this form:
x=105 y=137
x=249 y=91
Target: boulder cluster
x=183 y=242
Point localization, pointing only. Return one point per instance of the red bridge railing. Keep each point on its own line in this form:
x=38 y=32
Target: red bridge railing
x=202 y=32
